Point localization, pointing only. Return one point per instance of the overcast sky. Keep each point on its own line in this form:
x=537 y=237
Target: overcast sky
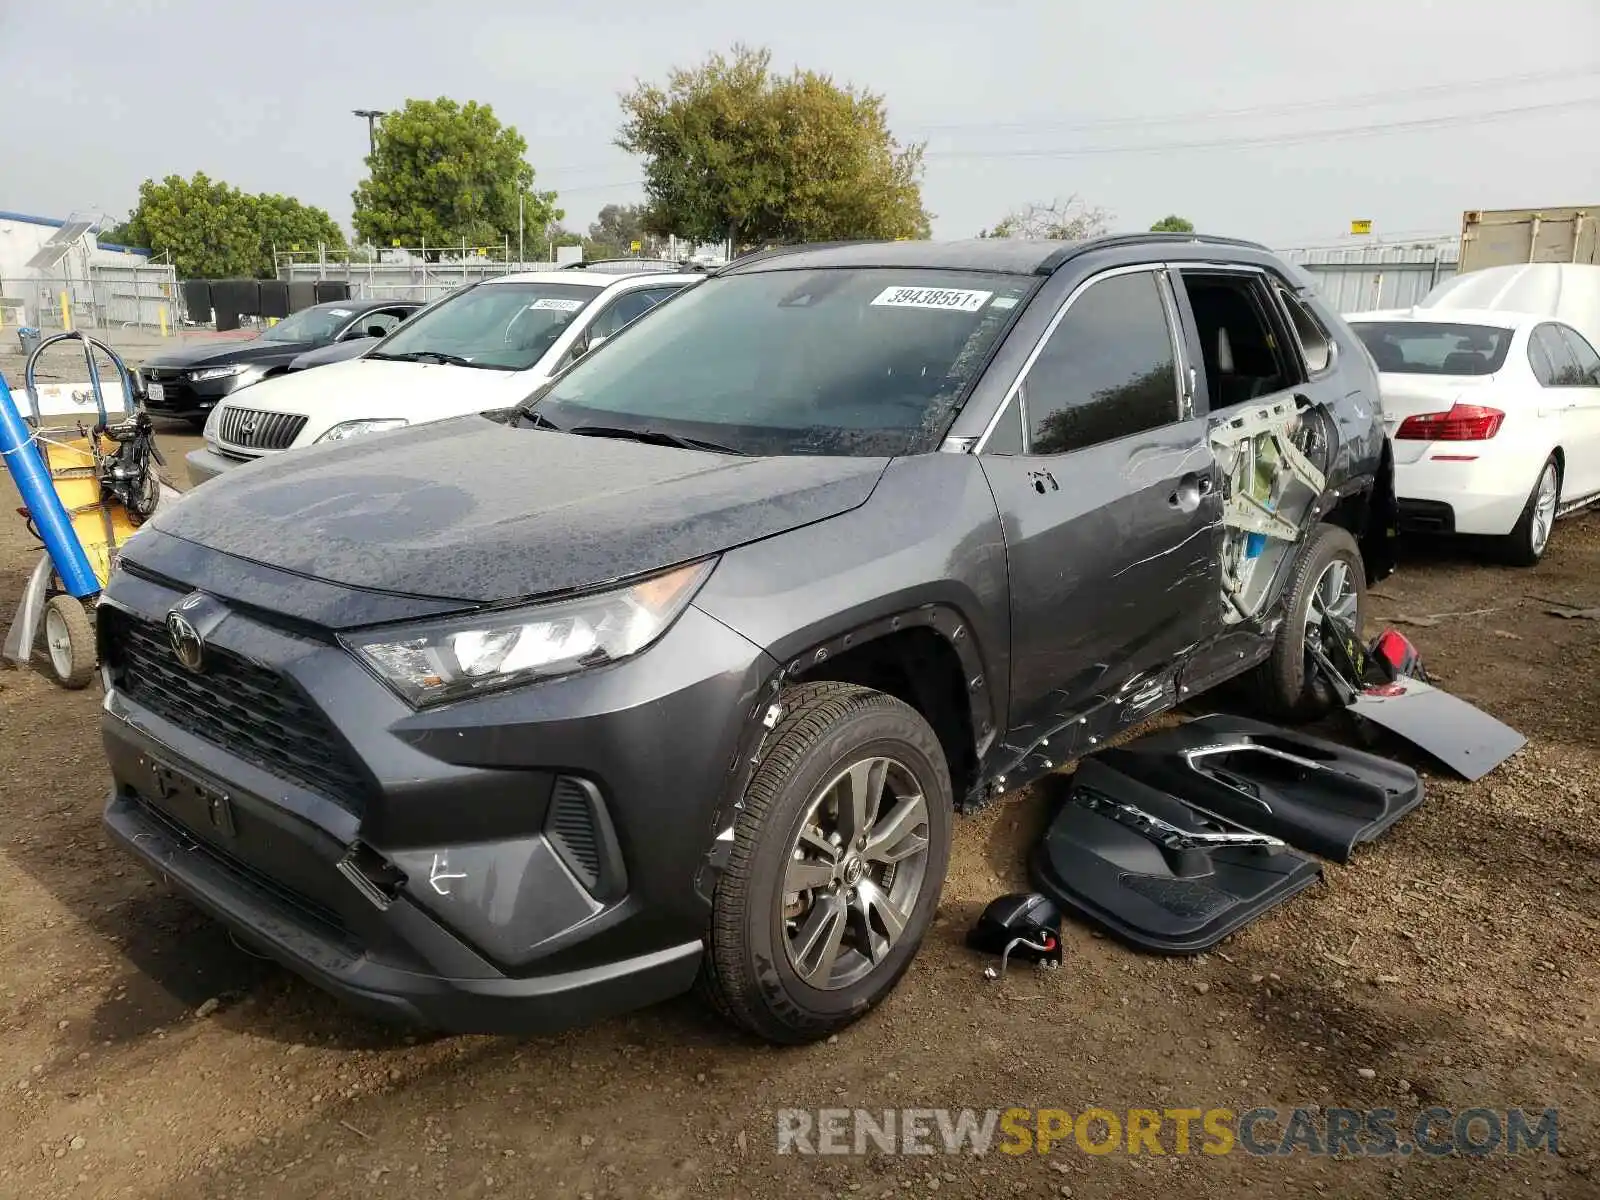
x=1139 y=107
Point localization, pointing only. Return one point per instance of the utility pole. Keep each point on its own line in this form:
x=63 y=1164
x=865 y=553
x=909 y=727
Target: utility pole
x=372 y=115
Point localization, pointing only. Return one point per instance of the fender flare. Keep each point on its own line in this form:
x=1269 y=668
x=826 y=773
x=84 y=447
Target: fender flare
x=763 y=716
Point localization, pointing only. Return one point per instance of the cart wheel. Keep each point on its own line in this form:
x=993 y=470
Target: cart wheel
x=70 y=637
x=146 y=497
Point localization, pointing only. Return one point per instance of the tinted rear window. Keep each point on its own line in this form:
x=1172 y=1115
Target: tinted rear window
x=1434 y=347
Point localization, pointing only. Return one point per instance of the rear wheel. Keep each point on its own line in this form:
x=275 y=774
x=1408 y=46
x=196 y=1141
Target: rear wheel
x=1525 y=545
x=839 y=855
x=69 y=638
x=1330 y=577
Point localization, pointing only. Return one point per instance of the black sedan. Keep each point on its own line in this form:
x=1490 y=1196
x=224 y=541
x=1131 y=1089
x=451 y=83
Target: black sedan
x=189 y=380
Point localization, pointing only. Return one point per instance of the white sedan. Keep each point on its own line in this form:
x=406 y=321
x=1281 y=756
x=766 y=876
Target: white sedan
x=1494 y=418
x=488 y=345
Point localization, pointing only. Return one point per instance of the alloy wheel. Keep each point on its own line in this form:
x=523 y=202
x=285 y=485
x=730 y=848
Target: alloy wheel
x=856 y=869
x=1334 y=594
x=1544 y=509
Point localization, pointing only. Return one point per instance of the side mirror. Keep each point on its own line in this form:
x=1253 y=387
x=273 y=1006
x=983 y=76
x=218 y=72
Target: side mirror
x=375 y=331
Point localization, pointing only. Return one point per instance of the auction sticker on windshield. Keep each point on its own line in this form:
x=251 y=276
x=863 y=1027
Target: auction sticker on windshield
x=551 y=302
x=955 y=299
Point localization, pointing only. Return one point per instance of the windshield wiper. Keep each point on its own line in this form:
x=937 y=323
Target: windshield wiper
x=452 y=360
x=537 y=419
x=655 y=437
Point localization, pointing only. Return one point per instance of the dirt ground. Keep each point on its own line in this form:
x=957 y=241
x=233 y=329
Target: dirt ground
x=1453 y=963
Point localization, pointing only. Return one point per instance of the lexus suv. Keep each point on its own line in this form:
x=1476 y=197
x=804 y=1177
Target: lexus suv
x=680 y=670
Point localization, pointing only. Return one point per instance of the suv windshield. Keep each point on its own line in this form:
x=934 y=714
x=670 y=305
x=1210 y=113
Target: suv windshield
x=1434 y=347
x=833 y=361
x=503 y=326
x=315 y=325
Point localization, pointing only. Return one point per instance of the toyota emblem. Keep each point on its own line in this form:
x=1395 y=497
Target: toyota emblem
x=186 y=641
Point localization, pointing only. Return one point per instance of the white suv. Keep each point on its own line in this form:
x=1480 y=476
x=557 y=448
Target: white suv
x=487 y=346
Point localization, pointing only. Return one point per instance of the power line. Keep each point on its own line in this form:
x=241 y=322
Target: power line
x=1334 y=134
x=596 y=187
x=1318 y=135
x=1360 y=100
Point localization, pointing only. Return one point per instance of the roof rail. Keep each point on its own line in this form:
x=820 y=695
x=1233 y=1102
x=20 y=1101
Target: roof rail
x=1067 y=253
x=779 y=251
x=663 y=265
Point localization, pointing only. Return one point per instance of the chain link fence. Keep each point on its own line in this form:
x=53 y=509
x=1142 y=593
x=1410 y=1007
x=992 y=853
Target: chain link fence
x=111 y=298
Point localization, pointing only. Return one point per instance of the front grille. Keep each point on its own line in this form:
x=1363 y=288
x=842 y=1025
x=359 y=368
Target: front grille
x=246 y=709
x=253 y=429
x=177 y=392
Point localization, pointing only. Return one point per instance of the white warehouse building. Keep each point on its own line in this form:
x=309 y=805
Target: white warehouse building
x=41 y=257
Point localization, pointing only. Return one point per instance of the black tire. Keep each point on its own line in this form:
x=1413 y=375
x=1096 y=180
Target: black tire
x=1285 y=686
x=1521 y=547
x=70 y=644
x=747 y=974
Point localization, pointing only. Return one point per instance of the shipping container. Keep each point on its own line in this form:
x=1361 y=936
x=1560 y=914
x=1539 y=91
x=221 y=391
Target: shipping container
x=1507 y=236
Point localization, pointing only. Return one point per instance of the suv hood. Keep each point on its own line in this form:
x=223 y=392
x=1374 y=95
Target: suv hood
x=475 y=510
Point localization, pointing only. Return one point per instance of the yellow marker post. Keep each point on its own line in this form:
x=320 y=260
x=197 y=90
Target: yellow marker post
x=161 y=317
x=271 y=321
x=66 y=312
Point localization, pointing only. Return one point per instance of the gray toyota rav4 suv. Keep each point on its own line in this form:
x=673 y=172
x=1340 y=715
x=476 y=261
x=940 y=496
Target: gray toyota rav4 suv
x=681 y=670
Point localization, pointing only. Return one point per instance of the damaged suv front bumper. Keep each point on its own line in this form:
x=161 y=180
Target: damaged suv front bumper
x=514 y=863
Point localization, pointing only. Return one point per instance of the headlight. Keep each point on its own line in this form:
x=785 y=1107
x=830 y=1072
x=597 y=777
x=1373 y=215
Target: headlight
x=487 y=651
x=213 y=422
x=227 y=372
x=350 y=429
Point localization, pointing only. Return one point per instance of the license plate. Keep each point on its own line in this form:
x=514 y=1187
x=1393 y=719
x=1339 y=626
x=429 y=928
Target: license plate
x=190 y=801
x=155 y=393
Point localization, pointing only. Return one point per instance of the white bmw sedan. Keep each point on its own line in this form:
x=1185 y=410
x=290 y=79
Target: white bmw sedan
x=1494 y=418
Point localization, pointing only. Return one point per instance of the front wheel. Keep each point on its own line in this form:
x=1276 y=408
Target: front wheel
x=839 y=855
x=1529 y=538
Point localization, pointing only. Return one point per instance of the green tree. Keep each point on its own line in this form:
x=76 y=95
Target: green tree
x=286 y=225
x=1069 y=220
x=1173 y=224
x=613 y=233
x=733 y=151
x=115 y=234
x=441 y=173
x=214 y=231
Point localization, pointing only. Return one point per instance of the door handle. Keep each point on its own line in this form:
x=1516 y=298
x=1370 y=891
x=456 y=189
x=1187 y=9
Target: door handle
x=1191 y=487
